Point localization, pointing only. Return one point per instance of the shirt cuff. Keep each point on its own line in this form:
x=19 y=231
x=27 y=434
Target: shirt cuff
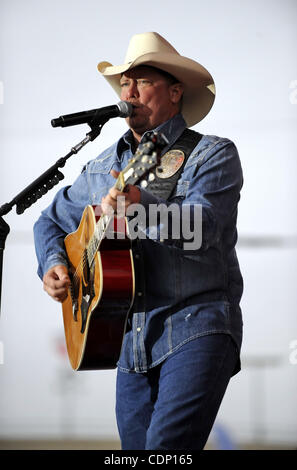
x=54 y=260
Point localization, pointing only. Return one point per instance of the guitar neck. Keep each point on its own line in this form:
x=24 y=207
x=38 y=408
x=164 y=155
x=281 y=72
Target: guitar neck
x=120 y=183
x=146 y=158
x=97 y=237
x=103 y=223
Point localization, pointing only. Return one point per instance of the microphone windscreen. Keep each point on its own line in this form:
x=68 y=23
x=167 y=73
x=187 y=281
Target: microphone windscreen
x=125 y=108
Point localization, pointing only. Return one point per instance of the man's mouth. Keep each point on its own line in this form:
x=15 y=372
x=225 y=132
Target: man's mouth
x=138 y=109
x=135 y=107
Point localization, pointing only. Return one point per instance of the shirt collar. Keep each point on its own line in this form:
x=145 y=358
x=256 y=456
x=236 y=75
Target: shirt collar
x=172 y=129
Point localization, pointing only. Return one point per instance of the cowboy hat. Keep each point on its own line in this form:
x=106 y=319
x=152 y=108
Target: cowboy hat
x=152 y=49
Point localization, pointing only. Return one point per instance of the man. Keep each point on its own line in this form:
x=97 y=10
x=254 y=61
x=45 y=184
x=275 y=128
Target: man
x=184 y=332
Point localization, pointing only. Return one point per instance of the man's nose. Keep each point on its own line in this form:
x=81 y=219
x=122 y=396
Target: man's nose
x=132 y=90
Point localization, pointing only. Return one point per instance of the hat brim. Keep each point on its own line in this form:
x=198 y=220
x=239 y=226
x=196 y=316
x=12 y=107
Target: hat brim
x=199 y=88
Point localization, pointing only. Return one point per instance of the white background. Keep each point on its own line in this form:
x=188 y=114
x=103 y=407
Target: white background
x=48 y=67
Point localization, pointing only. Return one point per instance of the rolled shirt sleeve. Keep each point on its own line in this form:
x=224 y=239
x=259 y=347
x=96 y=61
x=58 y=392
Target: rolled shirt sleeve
x=56 y=221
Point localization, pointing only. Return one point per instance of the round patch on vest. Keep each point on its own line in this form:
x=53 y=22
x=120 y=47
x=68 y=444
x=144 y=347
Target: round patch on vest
x=170 y=163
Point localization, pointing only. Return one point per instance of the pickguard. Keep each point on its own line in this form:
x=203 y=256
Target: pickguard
x=88 y=292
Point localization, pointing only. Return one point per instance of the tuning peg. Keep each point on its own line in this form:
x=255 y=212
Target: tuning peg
x=143 y=184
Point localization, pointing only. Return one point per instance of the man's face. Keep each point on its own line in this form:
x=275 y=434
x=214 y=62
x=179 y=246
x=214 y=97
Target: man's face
x=154 y=98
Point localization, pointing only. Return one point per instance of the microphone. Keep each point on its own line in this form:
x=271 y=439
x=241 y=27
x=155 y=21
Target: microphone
x=98 y=116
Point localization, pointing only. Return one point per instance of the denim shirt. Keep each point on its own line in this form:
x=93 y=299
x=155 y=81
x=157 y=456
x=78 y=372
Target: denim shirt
x=180 y=294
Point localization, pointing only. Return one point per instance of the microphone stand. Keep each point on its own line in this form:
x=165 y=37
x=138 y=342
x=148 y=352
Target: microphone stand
x=41 y=186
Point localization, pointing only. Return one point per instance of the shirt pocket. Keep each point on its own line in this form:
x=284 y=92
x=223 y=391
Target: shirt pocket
x=99 y=178
x=102 y=165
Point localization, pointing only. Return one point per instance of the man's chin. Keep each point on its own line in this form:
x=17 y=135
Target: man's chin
x=138 y=124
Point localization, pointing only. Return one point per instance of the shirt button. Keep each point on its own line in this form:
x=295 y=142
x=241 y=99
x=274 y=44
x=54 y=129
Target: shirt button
x=139 y=294
x=138 y=329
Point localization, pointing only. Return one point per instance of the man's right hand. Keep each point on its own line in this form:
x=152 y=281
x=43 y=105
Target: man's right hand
x=56 y=282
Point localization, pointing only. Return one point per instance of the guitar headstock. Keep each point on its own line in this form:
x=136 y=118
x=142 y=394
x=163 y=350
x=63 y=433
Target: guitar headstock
x=146 y=158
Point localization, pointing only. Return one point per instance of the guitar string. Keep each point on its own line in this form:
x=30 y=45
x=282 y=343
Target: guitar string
x=82 y=264
x=92 y=248
x=96 y=239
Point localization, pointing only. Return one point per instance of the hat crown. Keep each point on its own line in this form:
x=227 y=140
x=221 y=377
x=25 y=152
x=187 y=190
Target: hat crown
x=153 y=50
x=147 y=43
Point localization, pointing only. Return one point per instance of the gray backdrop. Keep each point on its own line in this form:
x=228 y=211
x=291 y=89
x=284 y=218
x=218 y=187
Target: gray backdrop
x=48 y=58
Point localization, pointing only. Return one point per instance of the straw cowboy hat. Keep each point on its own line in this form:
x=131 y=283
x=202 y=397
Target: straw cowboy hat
x=152 y=49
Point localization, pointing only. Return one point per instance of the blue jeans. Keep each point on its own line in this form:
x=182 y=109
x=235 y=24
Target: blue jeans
x=173 y=406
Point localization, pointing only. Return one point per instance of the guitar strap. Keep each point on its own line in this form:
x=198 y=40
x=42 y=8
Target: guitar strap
x=173 y=163
x=162 y=187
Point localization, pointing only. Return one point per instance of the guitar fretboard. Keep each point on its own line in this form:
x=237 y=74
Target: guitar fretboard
x=97 y=237
x=127 y=176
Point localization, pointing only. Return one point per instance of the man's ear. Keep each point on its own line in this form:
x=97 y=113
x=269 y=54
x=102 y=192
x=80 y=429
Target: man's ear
x=176 y=92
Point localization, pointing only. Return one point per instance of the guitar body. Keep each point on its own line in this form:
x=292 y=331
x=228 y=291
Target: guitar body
x=100 y=296
x=101 y=270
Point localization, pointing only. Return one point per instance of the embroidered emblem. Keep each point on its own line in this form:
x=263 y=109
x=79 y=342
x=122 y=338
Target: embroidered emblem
x=170 y=163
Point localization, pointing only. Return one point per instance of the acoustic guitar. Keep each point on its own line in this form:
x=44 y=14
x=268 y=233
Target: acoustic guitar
x=101 y=271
